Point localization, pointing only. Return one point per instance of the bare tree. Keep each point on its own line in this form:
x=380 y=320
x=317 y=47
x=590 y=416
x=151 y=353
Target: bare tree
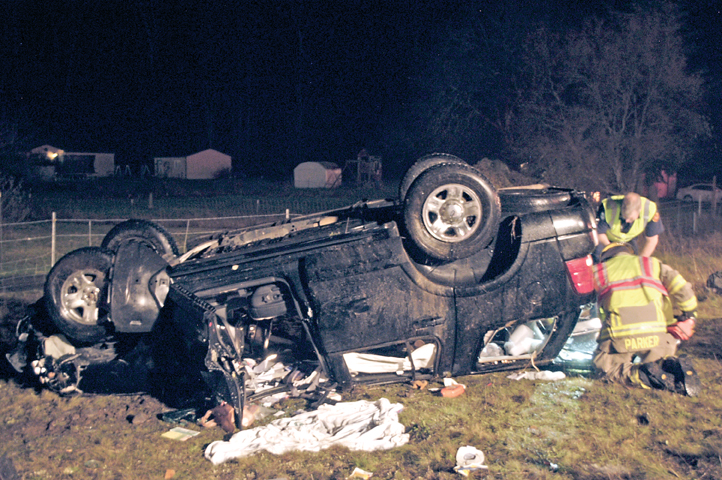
x=471 y=83
x=609 y=102
x=14 y=199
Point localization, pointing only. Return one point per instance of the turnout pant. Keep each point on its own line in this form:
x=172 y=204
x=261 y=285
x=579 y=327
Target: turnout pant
x=619 y=367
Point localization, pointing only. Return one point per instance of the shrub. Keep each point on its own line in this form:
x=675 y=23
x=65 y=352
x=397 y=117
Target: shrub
x=14 y=200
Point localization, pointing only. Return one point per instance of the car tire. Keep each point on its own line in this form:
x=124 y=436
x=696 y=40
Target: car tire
x=451 y=211
x=421 y=165
x=76 y=293
x=688 y=198
x=524 y=200
x=141 y=230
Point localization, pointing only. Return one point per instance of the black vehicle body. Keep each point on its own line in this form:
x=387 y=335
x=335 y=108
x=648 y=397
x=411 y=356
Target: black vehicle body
x=320 y=292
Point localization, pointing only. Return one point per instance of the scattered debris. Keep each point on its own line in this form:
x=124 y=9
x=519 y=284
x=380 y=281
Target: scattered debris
x=358 y=473
x=714 y=282
x=452 y=388
x=180 y=416
x=540 y=375
x=419 y=384
x=170 y=473
x=469 y=459
x=180 y=434
x=224 y=417
x=360 y=425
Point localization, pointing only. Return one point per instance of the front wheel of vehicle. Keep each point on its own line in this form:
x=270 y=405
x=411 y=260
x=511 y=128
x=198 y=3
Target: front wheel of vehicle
x=687 y=198
x=144 y=231
x=451 y=211
x=76 y=292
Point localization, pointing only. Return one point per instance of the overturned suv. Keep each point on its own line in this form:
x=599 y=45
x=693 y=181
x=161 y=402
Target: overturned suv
x=452 y=278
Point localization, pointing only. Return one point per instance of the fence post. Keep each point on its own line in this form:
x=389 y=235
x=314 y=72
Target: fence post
x=185 y=240
x=694 y=222
x=288 y=214
x=52 y=241
x=714 y=196
x=90 y=233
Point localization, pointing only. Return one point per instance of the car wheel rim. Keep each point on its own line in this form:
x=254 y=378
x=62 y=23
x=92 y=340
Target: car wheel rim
x=451 y=213
x=80 y=295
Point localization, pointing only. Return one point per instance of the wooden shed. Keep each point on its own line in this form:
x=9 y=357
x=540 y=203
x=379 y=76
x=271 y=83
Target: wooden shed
x=317 y=175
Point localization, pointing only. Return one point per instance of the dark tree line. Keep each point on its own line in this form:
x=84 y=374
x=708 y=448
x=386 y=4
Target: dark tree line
x=589 y=93
x=601 y=103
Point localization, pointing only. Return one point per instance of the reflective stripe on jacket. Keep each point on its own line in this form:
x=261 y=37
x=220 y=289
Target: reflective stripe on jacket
x=613 y=212
x=634 y=296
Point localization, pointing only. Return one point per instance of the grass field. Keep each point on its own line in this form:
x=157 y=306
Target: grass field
x=575 y=429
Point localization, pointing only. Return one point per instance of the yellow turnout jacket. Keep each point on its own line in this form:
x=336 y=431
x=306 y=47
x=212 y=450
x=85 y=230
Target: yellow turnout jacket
x=636 y=297
x=613 y=211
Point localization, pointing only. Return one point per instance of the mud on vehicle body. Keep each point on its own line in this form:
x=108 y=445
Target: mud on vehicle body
x=445 y=280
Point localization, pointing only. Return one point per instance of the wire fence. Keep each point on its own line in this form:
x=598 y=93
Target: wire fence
x=28 y=250
x=690 y=218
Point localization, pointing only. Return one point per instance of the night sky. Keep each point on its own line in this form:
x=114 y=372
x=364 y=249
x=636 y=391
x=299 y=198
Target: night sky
x=272 y=83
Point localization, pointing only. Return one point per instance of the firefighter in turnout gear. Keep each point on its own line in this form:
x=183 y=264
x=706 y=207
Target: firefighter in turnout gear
x=636 y=298
x=626 y=218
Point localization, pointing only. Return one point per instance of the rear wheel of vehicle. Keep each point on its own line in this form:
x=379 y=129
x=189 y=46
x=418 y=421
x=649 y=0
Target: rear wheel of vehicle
x=144 y=231
x=421 y=165
x=76 y=292
x=529 y=199
x=687 y=198
x=451 y=211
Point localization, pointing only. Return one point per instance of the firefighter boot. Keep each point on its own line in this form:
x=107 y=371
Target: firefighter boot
x=653 y=375
x=686 y=378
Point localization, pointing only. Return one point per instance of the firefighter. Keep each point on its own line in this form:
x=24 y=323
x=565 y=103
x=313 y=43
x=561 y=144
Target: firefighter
x=623 y=218
x=636 y=297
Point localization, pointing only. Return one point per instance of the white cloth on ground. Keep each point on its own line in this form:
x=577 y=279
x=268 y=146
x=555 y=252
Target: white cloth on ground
x=360 y=425
x=540 y=375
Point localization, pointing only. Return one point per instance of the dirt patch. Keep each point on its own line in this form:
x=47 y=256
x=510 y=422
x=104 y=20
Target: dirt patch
x=46 y=435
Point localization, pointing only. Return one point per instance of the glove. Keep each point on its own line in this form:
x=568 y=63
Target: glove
x=682 y=330
x=686 y=315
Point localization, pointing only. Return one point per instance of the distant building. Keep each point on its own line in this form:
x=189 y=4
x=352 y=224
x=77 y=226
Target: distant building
x=364 y=169
x=663 y=185
x=47 y=162
x=317 y=175
x=207 y=164
x=170 y=167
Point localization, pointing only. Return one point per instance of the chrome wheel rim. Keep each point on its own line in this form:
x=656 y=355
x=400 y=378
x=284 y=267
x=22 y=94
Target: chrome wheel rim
x=452 y=213
x=80 y=295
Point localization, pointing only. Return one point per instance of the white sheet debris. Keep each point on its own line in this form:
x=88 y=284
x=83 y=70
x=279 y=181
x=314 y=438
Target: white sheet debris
x=469 y=459
x=360 y=425
x=541 y=375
